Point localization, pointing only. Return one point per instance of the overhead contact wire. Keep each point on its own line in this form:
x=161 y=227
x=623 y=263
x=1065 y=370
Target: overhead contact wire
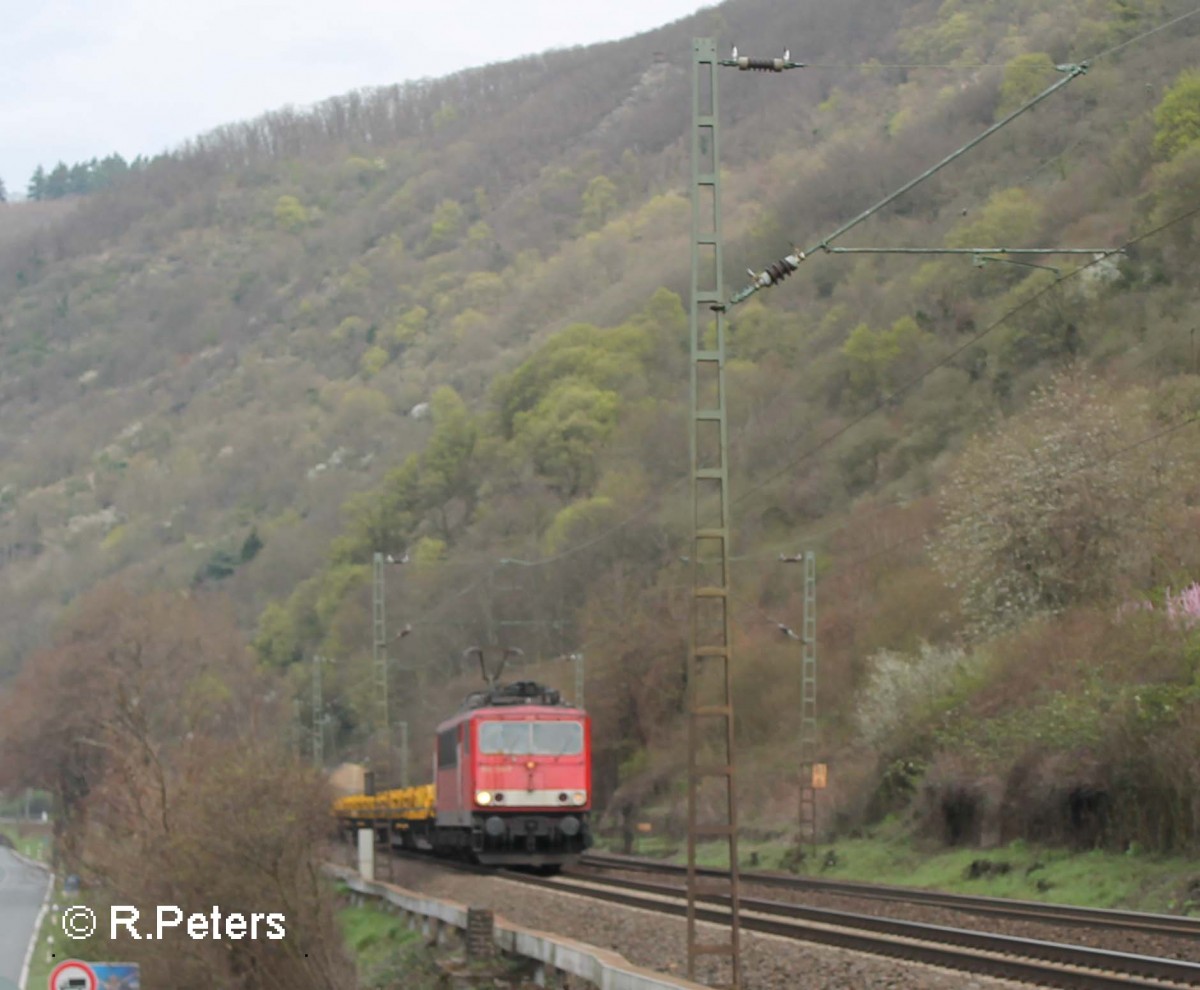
x=883 y=203
x=947 y=358
x=1145 y=34
x=780 y=270
x=775 y=273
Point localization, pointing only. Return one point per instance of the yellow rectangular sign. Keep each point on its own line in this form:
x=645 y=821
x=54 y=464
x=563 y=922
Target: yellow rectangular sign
x=820 y=775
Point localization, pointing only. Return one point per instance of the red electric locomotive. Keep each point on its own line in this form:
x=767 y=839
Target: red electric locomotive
x=513 y=777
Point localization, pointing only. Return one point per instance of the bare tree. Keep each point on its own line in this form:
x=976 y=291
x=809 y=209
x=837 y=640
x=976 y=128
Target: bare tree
x=164 y=747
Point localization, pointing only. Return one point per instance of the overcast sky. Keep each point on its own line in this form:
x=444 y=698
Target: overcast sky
x=80 y=79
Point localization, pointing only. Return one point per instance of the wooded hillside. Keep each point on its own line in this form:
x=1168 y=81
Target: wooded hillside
x=446 y=321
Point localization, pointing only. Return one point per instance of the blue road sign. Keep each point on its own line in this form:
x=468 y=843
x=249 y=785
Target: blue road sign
x=117 y=976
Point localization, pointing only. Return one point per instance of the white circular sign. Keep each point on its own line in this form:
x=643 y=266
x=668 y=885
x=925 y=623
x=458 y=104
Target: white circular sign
x=73 y=975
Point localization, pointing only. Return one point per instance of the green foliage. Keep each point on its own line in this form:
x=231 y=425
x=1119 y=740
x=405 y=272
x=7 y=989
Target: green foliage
x=79 y=179
x=665 y=321
x=874 y=357
x=666 y=211
x=336 y=584
x=901 y=120
x=1177 y=117
x=220 y=565
x=438 y=487
x=1173 y=186
x=290 y=214
x=563 y=404
x=1010 y=218
x=1155 y=706
x=373 y=361
x=898 y=783
x=604 y=359
x=365 y=170
x=115 y=537
x=408 y=329
x=564 y=432
x=429 y=550
x=480 y=234
x=1058 y=721
x=1024 y=77
x=757 y=333
x=277 y=642
x=250 y=546
x=580 y=516
x=356 y=279
x=381 y=520
x=947 y=38
x=448 y=471
x=585 y=429
x=860 y=463
x=599 y=203
x=1039 y=871
x=831 y=103
x=479 y=290
x=446 y=226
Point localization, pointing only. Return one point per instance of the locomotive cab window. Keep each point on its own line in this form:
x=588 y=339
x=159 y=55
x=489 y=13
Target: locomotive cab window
x=557 y=738
x=531 y=738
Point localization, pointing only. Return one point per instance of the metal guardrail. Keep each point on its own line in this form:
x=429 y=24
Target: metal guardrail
x=599 y=967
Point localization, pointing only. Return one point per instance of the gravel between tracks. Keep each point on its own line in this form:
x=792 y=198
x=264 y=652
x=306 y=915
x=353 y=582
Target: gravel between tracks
x=1113 y=939
x=768 y=963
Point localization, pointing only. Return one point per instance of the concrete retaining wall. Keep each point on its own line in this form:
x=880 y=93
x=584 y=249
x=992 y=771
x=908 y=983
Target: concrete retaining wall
x=553 y=954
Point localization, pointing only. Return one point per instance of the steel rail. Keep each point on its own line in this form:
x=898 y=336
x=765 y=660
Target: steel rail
x=1126 y=965
x=1028 y=960
x=1157 y=924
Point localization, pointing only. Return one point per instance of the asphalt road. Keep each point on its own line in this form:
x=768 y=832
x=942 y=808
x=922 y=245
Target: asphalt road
x=22 y=889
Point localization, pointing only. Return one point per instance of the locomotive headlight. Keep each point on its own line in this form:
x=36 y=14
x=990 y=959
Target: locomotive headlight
x=578 y=798
x=483 y=797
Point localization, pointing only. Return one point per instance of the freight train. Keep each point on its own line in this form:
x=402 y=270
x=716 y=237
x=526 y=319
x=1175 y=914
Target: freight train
x=512 y=784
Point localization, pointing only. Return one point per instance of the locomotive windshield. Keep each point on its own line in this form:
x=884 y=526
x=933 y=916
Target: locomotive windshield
x=531 y=738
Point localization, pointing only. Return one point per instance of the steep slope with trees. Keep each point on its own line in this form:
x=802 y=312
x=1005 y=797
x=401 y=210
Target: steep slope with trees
x=443 y=321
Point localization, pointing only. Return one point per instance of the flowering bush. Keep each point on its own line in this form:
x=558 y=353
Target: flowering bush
x=1057 y=507
x=901 y=686
x=1184 y=609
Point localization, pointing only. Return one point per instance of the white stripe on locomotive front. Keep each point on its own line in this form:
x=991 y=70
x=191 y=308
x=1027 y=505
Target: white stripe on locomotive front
x=530 y=799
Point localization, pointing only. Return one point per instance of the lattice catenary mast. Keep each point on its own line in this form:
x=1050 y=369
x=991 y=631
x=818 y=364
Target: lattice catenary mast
x=379 y=654
x=712 y=795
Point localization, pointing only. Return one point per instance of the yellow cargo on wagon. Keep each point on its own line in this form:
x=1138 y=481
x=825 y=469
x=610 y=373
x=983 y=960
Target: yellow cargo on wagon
x=397 y=807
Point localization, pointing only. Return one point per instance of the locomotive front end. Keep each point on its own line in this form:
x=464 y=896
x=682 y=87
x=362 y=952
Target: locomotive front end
x=531 y=785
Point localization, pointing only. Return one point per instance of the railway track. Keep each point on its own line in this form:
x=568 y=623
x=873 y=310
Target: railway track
x=1026 y=960
x=1059 y=914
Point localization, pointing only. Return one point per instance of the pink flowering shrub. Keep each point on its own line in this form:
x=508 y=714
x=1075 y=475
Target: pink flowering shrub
x=1184 y=609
